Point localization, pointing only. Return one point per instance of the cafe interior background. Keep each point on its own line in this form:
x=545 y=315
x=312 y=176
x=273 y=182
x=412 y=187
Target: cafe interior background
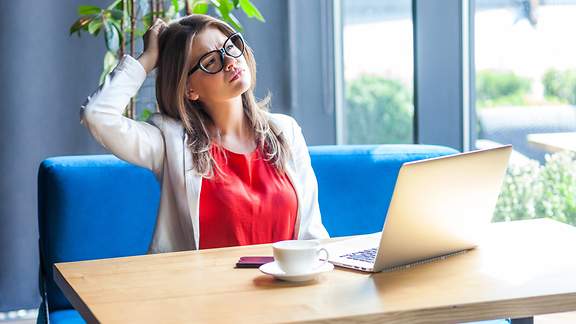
x=468 y=74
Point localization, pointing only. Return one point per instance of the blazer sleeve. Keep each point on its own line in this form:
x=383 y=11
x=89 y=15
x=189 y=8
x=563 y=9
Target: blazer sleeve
x=311 y=226
x=134 y=141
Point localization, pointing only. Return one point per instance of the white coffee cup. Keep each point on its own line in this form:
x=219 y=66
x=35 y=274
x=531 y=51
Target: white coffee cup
x=298 y=256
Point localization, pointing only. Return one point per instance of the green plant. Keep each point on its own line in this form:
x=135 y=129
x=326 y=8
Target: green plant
x=520 y=192
x=124 y=21
x=532 y=191
x=560 y=85
x=496 y=88
x=558 y=197
x=378 y=111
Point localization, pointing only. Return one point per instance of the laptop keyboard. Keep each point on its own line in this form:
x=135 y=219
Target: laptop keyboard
x=364 y=255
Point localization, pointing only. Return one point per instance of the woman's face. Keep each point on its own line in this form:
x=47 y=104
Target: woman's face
x=231 y=82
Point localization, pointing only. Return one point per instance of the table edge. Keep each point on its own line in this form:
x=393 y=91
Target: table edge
x=72 y=296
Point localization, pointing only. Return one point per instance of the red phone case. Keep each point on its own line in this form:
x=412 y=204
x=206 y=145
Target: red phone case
x=253 y=261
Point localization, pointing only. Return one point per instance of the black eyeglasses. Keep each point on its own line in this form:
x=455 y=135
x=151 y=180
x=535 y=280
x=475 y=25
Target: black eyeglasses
x=213 y=61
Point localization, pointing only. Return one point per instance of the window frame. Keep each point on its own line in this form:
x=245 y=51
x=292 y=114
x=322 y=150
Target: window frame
x=444 y=101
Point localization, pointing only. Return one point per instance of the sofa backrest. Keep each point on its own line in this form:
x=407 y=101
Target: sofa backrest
x=93 y=207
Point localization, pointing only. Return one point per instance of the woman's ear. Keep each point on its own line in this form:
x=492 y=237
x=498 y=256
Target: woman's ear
x=192 y=95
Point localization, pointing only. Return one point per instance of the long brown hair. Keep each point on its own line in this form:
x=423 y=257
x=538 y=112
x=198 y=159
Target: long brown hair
x=175 y=44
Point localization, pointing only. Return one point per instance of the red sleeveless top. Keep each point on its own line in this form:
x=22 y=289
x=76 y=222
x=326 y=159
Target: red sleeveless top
x=248 y=203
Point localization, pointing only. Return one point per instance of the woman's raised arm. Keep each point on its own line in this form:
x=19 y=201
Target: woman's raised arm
x=137 y=142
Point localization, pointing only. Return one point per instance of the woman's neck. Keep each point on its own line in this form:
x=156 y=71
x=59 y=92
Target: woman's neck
x=229 y=120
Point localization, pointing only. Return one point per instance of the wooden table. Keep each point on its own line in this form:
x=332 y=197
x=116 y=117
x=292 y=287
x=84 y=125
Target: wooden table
x=525 y=268
x=553 y=142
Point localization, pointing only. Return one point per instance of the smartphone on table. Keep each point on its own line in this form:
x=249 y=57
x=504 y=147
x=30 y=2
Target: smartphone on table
x=253 y=261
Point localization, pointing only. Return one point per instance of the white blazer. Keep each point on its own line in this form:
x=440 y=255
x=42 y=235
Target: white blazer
x=160 y=145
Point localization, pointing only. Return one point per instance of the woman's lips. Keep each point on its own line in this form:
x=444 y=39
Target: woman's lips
x=236 y=75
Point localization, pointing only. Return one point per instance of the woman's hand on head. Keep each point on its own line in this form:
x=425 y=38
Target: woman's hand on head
x=149 y=58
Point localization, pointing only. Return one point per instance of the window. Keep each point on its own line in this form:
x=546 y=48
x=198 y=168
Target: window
x=526 y=95
x=378 y=72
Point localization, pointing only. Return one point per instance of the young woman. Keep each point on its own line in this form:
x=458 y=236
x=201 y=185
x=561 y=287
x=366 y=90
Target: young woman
x=231 y=172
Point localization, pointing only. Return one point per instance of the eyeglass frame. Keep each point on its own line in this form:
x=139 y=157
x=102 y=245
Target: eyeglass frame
x=221 y=51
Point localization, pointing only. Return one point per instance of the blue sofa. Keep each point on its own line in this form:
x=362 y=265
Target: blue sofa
x=93 y=207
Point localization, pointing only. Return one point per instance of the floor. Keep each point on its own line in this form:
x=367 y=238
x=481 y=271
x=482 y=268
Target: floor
x=19 y=317
x=559 y=318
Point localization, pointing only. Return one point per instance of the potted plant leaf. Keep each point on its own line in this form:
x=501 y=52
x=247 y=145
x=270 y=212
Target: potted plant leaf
x=123 y=22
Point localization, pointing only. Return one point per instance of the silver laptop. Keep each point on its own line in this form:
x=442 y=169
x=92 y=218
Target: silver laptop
x=439 y=207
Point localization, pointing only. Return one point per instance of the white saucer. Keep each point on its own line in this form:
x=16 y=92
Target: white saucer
x=274 y=270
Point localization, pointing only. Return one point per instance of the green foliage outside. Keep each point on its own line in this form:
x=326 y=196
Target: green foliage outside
x=533 y=191
x=560 y=86
x=501 y=88
x=378 y=111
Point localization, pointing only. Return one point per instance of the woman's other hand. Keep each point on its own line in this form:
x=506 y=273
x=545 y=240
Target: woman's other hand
x=149 y=58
